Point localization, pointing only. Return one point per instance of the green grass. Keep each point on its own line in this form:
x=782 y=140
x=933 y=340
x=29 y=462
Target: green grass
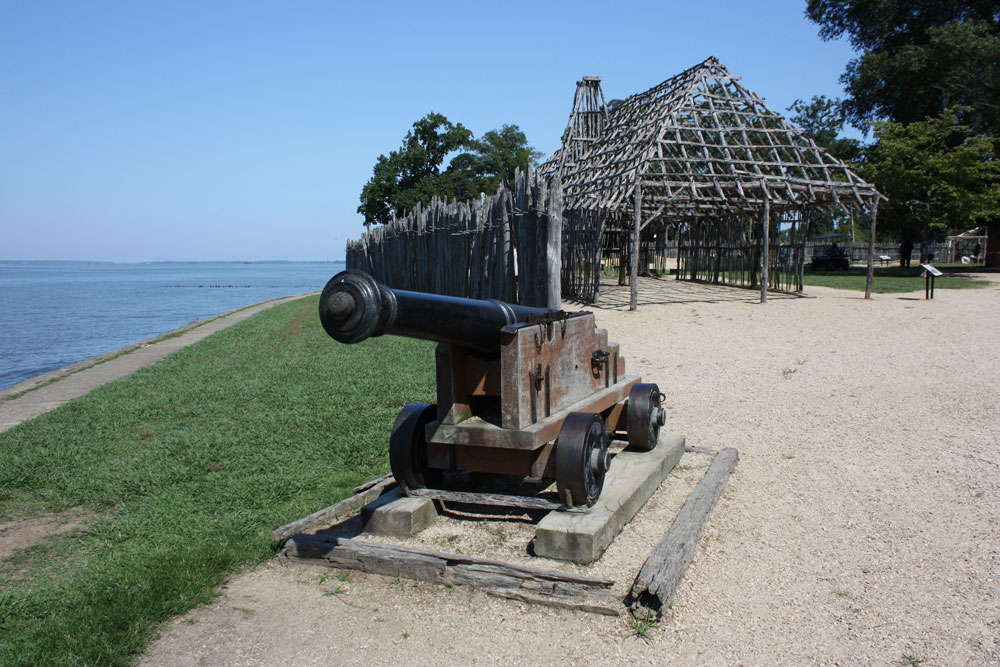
x=639 y=626
x=187 y=466
x=888 y=280
x=127 y=350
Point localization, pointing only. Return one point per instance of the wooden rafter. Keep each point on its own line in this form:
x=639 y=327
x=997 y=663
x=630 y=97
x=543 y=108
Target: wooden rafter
x=702 y=145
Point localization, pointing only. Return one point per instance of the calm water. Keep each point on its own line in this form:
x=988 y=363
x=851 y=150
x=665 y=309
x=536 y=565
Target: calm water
x=57 y=313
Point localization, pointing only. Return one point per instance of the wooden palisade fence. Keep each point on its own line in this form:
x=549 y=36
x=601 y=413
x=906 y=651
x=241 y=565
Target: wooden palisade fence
x=500 y=247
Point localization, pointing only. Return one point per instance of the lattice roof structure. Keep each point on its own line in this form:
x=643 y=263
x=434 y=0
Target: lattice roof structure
x=698 y=148
x=586 y=122
x=699 y=145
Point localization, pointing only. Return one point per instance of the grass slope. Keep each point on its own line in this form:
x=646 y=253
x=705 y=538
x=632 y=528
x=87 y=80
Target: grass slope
x=187 y=466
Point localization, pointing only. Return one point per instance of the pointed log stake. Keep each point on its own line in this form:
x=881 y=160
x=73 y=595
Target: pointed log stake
x=661 y=574
x=553 y=247
x=634 y=268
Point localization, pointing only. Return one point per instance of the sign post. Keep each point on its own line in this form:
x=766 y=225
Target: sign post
x=930 y=273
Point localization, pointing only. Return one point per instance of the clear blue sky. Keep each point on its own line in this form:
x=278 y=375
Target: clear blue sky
x=139 y=131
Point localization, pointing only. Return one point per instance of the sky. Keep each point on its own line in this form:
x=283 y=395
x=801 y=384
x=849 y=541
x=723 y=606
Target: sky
x=244 y=131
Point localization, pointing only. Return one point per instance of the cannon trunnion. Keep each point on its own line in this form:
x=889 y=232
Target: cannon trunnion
x=520 y=391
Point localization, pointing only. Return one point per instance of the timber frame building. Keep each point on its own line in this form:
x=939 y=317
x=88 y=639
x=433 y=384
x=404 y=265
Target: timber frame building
x=702 y=157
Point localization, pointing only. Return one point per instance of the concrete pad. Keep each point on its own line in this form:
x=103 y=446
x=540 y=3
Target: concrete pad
x=396 y=515
x=632 y=478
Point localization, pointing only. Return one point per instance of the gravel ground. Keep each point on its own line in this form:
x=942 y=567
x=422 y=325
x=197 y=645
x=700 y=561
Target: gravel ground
x=861 y=526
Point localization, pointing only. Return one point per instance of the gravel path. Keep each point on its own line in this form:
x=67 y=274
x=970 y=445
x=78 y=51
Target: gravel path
x=861 y=526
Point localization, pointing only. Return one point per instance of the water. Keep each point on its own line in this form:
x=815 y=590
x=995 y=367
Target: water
x=57 y=313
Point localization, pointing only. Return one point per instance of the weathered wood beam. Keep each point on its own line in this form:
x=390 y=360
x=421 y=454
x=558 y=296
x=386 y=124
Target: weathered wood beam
x=634 y=269
x=374 y=482
x=765 y=253
x=364 y=494
x=661 y=574
x=520 y=582
x=492 y=499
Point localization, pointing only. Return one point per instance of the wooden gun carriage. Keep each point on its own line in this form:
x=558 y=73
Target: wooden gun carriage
x=520 y=391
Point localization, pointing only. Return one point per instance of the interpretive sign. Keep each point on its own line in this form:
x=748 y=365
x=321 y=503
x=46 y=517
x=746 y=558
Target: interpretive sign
x=930 y=274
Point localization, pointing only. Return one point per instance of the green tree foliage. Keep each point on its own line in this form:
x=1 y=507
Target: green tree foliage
x=939 y=176
x=490 y=161
x=413 y=174
x=409 y=175
x=822 y=120
x=918 y=58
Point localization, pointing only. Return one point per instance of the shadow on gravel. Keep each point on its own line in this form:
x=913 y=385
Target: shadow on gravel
x=654 y=291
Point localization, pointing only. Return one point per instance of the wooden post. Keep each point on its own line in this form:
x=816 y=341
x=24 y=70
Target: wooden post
x=765 y=255
x=599 y=219
x=553 y=245
x=657 y=581
x=871 y=249
x=634 y=271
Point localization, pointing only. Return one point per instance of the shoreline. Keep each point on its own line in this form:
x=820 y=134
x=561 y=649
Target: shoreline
x=48 y=377
x=35 y=396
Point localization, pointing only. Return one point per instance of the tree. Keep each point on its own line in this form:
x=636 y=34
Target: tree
x=822 y=120
x=492 y=161
x=939 y=176
x=918 y=58
x=413 y=174
x=409 y=176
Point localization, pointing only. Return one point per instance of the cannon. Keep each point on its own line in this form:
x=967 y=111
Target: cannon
x=522 y=391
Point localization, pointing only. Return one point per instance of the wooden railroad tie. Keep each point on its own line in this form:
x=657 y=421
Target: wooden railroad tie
x=653 y=588
x=508 y=580
x=661 y=574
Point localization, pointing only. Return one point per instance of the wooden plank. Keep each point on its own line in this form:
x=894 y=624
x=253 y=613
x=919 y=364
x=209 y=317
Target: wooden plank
x=369 y=492
x=491 y=499
x=521 y=582
x=661 y=574
x=477 y=433
x=373 y=482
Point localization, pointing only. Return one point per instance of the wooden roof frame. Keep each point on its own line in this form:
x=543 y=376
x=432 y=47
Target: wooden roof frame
x=699 y=145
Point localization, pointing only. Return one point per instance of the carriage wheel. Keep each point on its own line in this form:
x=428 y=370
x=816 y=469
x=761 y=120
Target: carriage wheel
x=645 y=416
x=581 y=459
x=408 y=447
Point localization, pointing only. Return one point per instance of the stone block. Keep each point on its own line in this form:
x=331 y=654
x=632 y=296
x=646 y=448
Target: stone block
x=396 y=515
x=632 y=478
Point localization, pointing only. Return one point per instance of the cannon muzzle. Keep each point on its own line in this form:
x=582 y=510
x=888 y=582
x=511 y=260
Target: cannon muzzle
x=354 y=306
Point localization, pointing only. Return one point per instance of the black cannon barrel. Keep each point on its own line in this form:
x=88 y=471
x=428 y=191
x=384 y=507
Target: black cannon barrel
x=354 y=306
